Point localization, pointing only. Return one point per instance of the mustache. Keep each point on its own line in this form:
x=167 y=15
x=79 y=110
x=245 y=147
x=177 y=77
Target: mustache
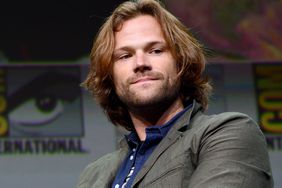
x=152 y=75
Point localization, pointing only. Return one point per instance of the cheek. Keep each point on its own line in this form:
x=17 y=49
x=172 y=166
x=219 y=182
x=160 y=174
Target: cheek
x=117 y=83
x=116 y=74
x=115 y=78
x=172 y=70
x=120 y=71
x=118 y=79
x=173 y=75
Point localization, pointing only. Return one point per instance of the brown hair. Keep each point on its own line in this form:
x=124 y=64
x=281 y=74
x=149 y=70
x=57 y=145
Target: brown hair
x=184 y=47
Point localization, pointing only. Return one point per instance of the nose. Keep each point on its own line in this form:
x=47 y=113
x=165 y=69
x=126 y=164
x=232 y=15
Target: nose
x=142 y=63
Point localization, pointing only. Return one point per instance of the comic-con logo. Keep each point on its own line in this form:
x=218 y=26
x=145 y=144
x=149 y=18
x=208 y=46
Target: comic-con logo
x=268 y=79
x=40 y=110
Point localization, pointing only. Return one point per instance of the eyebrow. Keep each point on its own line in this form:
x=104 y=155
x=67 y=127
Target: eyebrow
x=146 y=46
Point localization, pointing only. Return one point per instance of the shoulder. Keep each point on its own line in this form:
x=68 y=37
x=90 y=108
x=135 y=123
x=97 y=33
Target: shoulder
x=199 y=120
x=228 y=130
x=98 y=164
x=229 y=144
x=225 y=120
x=235 y=124
x=94 y=170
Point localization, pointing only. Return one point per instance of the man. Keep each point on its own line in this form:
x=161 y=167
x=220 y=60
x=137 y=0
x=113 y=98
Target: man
x=147 y=74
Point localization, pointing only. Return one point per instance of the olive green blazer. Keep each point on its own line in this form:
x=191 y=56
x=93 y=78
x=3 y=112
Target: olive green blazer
x=199 y=151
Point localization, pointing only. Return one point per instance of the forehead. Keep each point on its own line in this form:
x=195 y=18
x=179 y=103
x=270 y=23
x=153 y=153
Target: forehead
x=142 y=28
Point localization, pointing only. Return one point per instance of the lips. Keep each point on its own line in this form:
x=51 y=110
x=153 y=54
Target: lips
x=143 y=79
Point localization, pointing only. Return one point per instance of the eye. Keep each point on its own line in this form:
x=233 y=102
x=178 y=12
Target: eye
x=124 y=56
x=156 y=51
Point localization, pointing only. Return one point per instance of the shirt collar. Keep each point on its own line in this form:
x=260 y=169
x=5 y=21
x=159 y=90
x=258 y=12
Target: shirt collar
x=160 y=130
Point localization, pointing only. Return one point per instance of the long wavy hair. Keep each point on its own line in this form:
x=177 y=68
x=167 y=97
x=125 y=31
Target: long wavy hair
x=187 y=51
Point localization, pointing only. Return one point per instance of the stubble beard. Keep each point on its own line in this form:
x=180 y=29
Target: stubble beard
x=162 y=98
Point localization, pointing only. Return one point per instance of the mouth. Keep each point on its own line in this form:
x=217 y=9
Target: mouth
x=144 y=79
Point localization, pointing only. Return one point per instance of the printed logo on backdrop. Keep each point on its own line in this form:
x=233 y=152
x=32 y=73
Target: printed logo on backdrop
x=40 y=110
x=268 y=79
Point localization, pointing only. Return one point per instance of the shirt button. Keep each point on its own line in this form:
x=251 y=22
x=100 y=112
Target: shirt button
x=131 y=157
x=117 y=186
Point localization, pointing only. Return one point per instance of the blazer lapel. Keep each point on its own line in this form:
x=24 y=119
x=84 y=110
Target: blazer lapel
x=167 y=141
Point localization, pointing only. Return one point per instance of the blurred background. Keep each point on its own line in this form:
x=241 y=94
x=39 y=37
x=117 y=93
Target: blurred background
x=50 y=128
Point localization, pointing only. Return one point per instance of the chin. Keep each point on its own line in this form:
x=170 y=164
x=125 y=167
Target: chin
x=147 y=101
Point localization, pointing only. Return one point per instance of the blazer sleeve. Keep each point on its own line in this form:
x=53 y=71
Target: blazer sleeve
x=232 y=153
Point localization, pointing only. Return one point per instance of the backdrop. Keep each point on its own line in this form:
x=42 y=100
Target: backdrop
x=51 y=128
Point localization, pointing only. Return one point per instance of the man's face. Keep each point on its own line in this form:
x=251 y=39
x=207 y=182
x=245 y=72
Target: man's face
x=144 y=69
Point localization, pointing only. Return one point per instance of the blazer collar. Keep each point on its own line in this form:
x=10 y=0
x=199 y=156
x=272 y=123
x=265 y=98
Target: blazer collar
x=172 y=136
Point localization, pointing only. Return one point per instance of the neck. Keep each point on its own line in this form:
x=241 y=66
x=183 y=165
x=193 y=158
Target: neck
x=154 y=116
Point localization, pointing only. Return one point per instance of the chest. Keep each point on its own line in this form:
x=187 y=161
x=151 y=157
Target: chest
x=173 y=168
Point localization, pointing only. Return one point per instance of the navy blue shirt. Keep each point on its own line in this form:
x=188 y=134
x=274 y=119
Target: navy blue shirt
x=140 y=151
